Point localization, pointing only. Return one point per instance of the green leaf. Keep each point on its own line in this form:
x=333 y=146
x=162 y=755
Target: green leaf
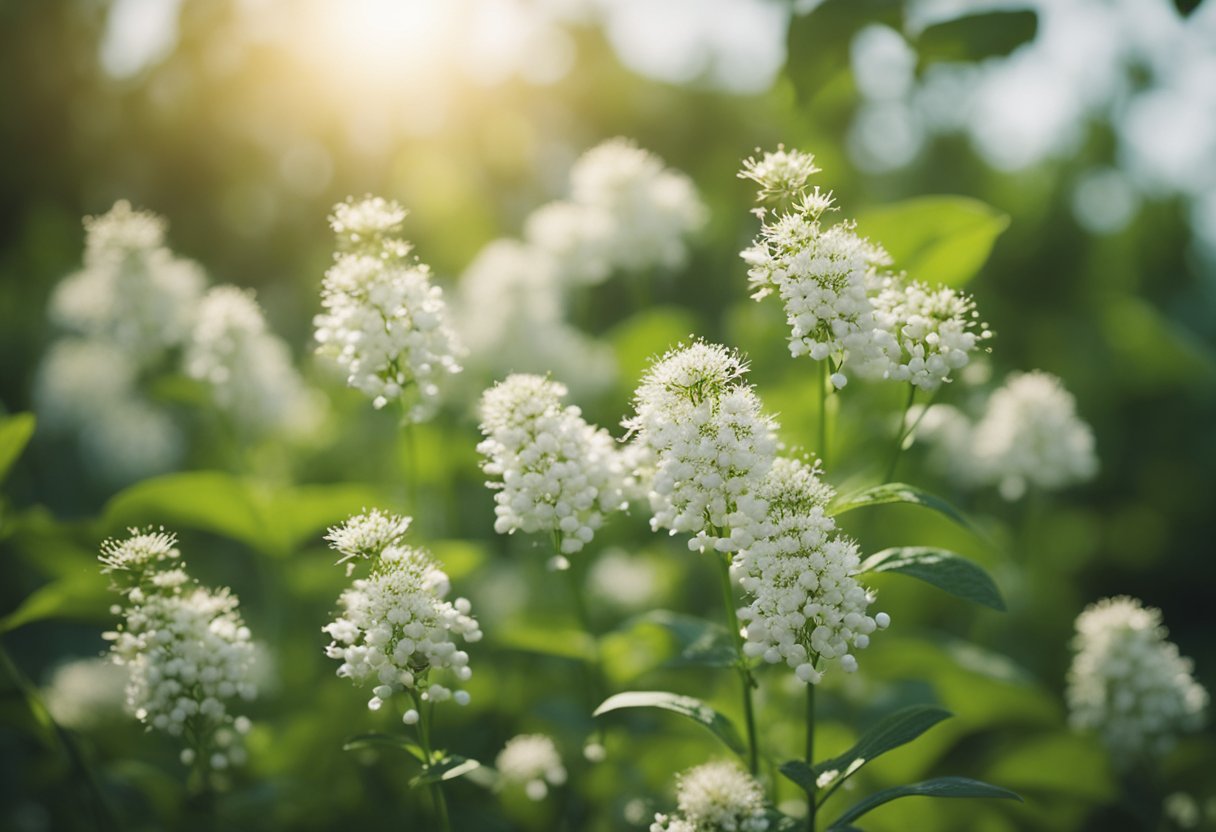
x=547 y=641
x=818 y=42
x=687 y=706
x=945 y=570
x=937 y=239
x=937 y=787
x=800 y=774
x=977 y=36
x=890 y=732
x=700 y=643
x=363 y=741
x=448 y=768
x=79 y=598
x=15 y=433
x=899 y=492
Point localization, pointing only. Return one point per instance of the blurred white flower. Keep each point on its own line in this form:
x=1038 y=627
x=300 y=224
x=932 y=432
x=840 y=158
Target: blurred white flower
x=716 y=797
x=86 y=693
x=531 y=761
x=624 y=580
x=1129 y=684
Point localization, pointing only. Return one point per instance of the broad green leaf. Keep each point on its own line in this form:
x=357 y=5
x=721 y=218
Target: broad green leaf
x=818 y=42
x=899 y=492
x=79 y=598
x=448 y=768
x=687 y=706
x=890 y=732
x=937 y=239
x=937 y=787
x=406 y=744
x=800 y=774
x=945 y=570
x=547 y=641
x=700 y=643
x=977 y=36
x=646 y=334
x=15 y=433
x=1186 y=7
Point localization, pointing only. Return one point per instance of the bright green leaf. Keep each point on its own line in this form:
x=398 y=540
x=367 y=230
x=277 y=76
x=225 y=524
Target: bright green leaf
x=945 y=570
x=890 y=732
x=977 y=36
x=448 y=768
x=363 y=741
x=937 y=787
x=937 y=239
x=15 y=433
x=898 y=492
x=547 y=641
x=79 y=598
x=646 y=334
x=687 y=706
x=1058 y=764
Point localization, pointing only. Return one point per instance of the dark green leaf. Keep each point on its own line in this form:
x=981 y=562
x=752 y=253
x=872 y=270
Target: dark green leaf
x=818 y=42
x=385 y=741
x=945 y=570
x=938 y=239
x=1186 y=7
x=800 y=774
x=890 y=732
x=898 y=492
x=937 y=787
x=694 y=709
x=79 y=598
x=448 y=768
x=977 y=36
x=15 y=433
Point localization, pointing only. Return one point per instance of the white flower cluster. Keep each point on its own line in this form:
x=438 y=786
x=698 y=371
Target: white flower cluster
x=384 y=322
x=396 y=626
x=716 y=797
x=841 y=304
x=86 y=693
x=708 y=442
x=1129 y=684
x=186 y=650
x=248 y=368
x=807 y=605
x=532 y=761
x=627 y=212
x=1028 y=434
x=555 y=472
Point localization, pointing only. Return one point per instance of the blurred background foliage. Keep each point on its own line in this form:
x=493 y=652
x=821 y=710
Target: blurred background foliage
x=1088 y=127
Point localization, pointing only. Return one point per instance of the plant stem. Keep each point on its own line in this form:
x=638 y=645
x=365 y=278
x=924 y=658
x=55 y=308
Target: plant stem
x=595 y=668
x=745 y=676
x=823 y=412
x=424 y=739
x=811 y=796
x=901 y=433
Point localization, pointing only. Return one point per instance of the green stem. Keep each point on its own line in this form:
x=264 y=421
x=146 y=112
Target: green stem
x=595 y=667
x=745 y=676
x=424 y=739
x=823 y=412
x=901 y=433
x=810 y=755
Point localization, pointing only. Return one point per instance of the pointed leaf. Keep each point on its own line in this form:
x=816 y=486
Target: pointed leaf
x=687 y=706
x=448 y=768
x=79 y=598
x=890 y=732
x=899 y=492
x=937 y=787
x=363 y=741
x=818 y=42
x=975 y=37
x=15 y=433
x=937 y=239
x=800 y=774
x=945 y=570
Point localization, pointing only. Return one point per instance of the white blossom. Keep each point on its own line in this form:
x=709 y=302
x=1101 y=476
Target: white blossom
x=1129 y=684
x=716 y=797
x=396 y=626
x=85 y=694
x=807 y=606
x=1030 y=435
x=782 y=175
x=187 y=652
x=576 y=240
x=384 y=322
x=553 y=472
x=248 y=369
x=531 y=761
x=709 y=443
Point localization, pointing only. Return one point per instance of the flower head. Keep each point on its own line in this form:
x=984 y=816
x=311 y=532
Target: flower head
x=926 y=333
x=532 y=761
x=396 y=626
x=716 y=797
x=781 y=175
x=1129 y=684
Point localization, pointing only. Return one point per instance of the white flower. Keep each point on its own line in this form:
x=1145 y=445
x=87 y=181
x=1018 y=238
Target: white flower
x=716 y=797
x=628 y=581
x=532 y=761
x=132 y=292
x=709 y=444
x=782 y=175
x=576 y=239
x=806 y=605
x=926 y=333
x=1129 y=684
x=384 y=322
x=86 y=693
x=187 y=652
x=395 y=625
x=557 y=473
x=1030 y=435
x=248 y=369
x=947 y=433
